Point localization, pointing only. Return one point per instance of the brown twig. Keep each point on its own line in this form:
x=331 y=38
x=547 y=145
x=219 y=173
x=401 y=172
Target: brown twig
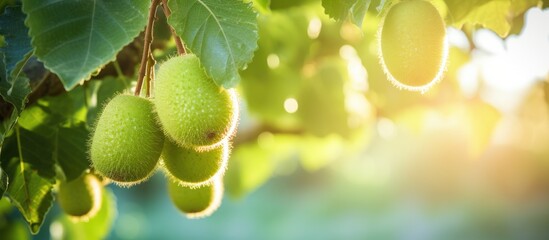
x=146 y=46
x=150 y=73
x=178 y=42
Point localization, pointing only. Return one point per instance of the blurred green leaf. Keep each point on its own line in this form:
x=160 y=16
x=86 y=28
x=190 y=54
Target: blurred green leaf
x=104 y=90
x=81 y=37
x=97 y=227
x=263 y=6
x=3 y=182
x=318 y=152
x=343 y=9
x=286 y=4
x=249 y=168
x=285 y=43
x=222 y=33
x=322 y=101
x=252 y=164
x=14 y=230
x=496 y=15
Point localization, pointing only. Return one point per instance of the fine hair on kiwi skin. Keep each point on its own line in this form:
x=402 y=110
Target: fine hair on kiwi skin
x=394 y=81
x=193 y=77
x=214 y=203
x=223 y=164
x=105 y=178
x=233 y=123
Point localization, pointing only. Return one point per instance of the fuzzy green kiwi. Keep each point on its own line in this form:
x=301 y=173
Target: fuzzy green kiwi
x=196 y=202
x=192 y=109
x=413 y=47
x=81 y=197
x=127 y=141
x=191 y=167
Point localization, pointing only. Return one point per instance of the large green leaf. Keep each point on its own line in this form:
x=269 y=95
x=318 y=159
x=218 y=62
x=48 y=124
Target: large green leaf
x=14 y=85
x=50 y=144
x=31 y=148
x=75 y=38
x=496 y=15
x=343 y=9
x=12 y=27
x=30 y=193
x=222 y=33
x=70 y=150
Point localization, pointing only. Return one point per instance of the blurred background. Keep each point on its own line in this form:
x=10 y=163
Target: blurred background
x=328 y=148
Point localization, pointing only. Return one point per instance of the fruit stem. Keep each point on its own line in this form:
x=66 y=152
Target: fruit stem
x=150 y=73
x=146 y=46
x=178 y=42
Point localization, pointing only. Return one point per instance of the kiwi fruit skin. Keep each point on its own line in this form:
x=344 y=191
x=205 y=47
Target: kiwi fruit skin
x=191 y=167
x=80 y=197
x=413 y=45
x=196 y=202
x=192 y=109
x=127 y=141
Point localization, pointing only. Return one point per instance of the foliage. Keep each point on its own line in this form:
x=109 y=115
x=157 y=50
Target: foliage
x=61 y=61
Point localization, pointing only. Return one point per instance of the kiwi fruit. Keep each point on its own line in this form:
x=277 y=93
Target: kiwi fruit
x=127 y=141
x=81 y=197
x=196 y=202
x=192 y=109
x=413 y=46
x=191 y=167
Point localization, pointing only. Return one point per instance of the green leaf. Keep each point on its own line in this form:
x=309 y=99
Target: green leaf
x=3 y=182
x=287 y=4
x=343 y=9
x=265 y=88
x=104 y=90
x=75 y=38
x=50 y=143
x=30 y=193
x=6 y=126
x=263 y=6
x=14 y=230
x=14 y=85
x=245 y=173
x=71 y=150
x=97 y=227
x=12 y=27
x=222 y=33
x=31 y=148
x=496 y=15
x=14 y=88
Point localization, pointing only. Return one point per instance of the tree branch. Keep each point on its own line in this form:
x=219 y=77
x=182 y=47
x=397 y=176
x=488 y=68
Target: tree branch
x=146 y=46
x=178 y=42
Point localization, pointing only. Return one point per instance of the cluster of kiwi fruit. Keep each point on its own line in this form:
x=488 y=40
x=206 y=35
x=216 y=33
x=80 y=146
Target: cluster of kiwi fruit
x=413 y=49
x=185 y=129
